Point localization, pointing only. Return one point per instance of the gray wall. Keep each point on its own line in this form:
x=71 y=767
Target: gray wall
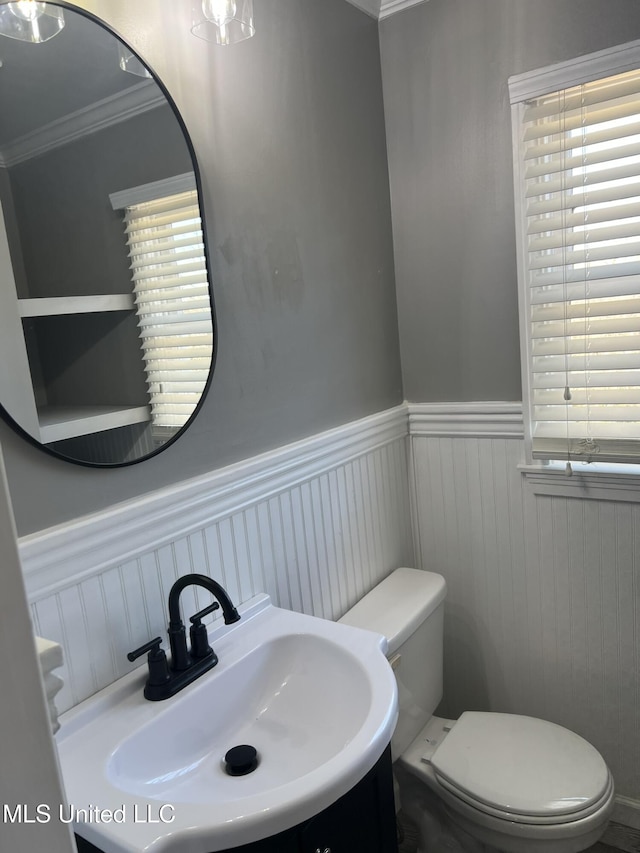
x=71 y=238
x=445 y=69
x=289 y=132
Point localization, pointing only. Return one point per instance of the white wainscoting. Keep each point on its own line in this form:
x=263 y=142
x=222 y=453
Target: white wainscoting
x=543 y=605
x=543 y=608
x=315 y=525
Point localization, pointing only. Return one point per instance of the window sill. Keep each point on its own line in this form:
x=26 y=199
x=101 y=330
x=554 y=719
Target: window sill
x=599 y=485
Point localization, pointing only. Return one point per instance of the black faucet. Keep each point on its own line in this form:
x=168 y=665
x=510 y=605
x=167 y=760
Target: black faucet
x=166 y=679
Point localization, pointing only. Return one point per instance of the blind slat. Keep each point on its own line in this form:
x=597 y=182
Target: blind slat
x=575 y=177
x=566 y=162
x=589 y=254
x=137 y=239
x=584 y=379
x=583 y=343
x=585 y=308
x=587 y=361
x=176 y=341
x=594 y=287
x=568 y=221
x=592 y=235
x=591 y=326
x=582 y=274
x=579 y=119
x=569 y=201
x=582 y=413
x=168 y=272
x=144 y=225
x=582 y=396
x=170 y=333
x=591 y=138
x=200 y=290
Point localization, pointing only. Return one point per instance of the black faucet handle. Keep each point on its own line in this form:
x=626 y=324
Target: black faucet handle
x=153 y=647
x=200 y=647
x=202 y=613
x=158 y=666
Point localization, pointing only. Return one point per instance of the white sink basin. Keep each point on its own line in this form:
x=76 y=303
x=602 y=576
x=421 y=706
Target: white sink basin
x=316 y=699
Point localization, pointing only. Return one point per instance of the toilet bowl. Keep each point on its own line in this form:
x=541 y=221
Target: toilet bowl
x=517 y=784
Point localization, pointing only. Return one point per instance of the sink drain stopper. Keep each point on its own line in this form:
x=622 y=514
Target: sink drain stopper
x=241 y=760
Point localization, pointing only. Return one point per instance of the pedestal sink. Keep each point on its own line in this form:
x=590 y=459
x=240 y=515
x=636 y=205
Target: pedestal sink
x=317 y=700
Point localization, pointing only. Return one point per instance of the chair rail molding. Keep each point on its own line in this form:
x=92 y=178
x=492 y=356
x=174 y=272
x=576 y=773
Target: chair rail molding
x=64 y=555
x=479 y=419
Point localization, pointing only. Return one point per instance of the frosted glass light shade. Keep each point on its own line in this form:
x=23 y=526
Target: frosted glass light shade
x=223 y=21
x=130 y=63
x=31 y=21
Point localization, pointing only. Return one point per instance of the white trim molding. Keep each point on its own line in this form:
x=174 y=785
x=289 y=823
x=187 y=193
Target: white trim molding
x=505 y=420
x=482 y=420
x=369 y=7
x=583 y=69
x=65 y=555
x=390 y=7
x=150 y=192
x=588 y=485
x=133 y=101
x=380 y=9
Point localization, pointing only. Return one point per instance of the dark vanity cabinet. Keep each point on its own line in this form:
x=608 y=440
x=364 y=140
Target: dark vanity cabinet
x=362 y=821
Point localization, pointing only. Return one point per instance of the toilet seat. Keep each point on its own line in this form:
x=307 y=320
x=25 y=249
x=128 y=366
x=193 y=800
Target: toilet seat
x=519 y=769
x=512 y=817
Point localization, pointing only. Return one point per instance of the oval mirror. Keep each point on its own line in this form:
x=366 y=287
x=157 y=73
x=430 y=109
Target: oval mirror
x=106 y=312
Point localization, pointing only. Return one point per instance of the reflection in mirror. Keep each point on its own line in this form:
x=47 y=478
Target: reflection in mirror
x=106 y=317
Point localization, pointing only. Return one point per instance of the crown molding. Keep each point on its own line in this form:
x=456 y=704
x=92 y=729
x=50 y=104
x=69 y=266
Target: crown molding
x=116 y=108
x=369 y=7
x=380 y=9
x=390 y=7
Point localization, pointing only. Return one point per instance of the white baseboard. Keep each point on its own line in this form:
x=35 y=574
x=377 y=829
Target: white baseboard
x=623 y=833
x=627 y=812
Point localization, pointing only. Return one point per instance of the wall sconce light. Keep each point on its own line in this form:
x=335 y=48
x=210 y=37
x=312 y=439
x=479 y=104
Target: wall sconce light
x=223 y=21
x=129 y=62
x=30 y=21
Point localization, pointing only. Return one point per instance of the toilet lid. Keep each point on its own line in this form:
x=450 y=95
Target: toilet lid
x=521 y=765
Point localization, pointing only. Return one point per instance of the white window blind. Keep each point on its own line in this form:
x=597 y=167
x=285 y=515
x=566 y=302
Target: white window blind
x=578 y=194
x=171 y=292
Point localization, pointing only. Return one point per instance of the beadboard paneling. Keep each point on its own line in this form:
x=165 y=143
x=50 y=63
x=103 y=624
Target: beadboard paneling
x=543 y=607
x=315 y=534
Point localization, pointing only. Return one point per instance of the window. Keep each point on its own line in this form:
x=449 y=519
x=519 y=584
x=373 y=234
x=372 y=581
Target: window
x=171 y=289
x=577 y=184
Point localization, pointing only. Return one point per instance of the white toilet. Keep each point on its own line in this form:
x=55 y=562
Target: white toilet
x=516 y=784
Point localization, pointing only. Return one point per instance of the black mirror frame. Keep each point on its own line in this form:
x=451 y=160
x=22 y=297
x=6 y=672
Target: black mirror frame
x=4 y=414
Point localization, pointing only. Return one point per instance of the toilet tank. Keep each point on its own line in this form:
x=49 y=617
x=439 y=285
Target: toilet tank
x=408 y=609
